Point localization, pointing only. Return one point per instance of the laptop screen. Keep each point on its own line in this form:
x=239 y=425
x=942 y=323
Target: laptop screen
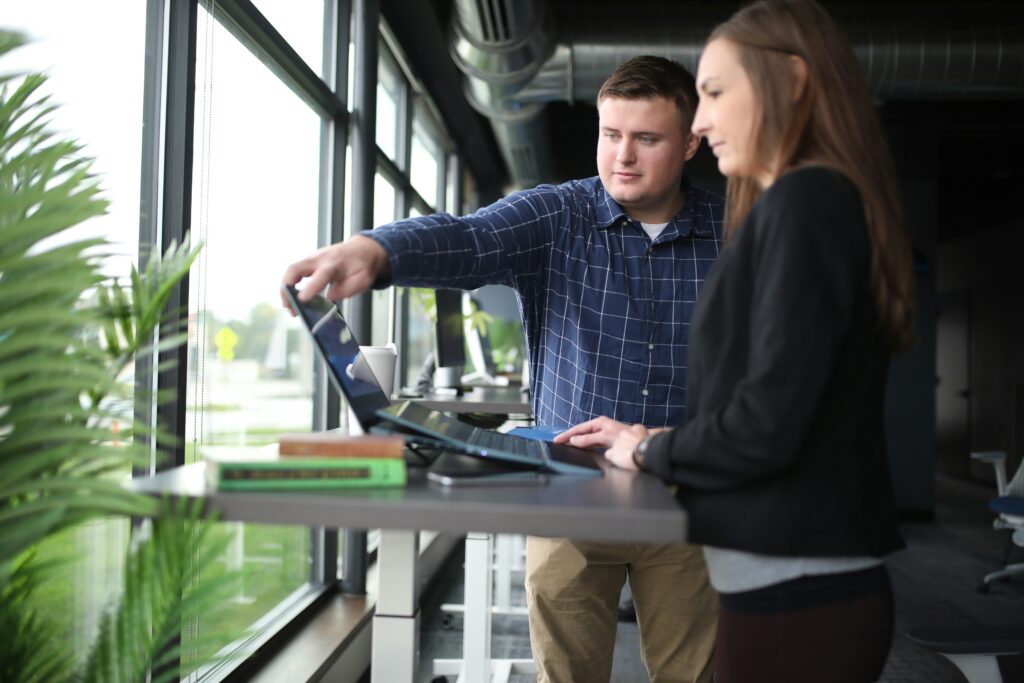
x=354 y=379
x=339 y=348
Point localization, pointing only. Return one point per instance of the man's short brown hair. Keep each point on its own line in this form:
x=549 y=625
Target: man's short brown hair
x=646 y=77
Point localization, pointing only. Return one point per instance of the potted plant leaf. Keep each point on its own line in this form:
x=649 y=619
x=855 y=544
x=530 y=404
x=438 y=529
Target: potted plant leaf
x=68 y=336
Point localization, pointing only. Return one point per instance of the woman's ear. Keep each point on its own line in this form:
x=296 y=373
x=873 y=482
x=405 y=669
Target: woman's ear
x=799 y=67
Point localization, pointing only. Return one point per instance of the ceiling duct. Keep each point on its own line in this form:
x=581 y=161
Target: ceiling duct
x=500 y=45
x=909 y=51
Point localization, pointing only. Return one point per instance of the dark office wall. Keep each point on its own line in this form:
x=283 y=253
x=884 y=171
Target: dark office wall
x=979 y=392
x=910 y=397
x=981 y=283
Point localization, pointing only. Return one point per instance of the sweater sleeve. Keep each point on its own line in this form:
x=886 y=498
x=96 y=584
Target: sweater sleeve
x=492 y=246
x=809 y=270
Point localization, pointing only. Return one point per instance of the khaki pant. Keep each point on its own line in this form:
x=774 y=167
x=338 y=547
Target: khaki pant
x=573 y=589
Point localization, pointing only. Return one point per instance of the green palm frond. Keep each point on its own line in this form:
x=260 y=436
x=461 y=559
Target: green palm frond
x=19 y=581
x=161 y=589
x=130 y=315
x=66 y=338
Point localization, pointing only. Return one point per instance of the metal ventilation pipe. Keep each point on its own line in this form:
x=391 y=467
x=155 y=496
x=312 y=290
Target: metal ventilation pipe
x=500 y=45
x=922 y=51
x=972 y=51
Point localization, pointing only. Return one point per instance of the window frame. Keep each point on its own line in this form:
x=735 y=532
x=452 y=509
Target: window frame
x=165 y=218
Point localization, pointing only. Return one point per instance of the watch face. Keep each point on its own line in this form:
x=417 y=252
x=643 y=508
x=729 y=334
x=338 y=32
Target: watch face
x=640 y=452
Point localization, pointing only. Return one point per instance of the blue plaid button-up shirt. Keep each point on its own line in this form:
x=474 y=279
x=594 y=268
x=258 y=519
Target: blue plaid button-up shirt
x=606 y=311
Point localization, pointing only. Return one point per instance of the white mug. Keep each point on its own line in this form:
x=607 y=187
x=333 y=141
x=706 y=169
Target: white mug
x=381 y=362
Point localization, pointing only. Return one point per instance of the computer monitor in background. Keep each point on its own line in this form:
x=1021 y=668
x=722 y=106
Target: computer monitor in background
x=479 y=349
x=458 y=341
x=450 y=340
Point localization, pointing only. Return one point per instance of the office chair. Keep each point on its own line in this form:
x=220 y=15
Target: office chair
x=1009 y=506
x=974 y=650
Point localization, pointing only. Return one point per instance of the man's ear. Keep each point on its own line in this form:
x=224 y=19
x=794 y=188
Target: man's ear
x=799 y=67
x=692 y=143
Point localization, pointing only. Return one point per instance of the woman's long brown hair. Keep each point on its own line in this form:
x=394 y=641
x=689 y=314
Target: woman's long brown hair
x=833 y=123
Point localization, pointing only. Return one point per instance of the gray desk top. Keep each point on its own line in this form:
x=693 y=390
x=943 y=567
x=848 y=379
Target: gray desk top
x=621 y=506
x=498 y=400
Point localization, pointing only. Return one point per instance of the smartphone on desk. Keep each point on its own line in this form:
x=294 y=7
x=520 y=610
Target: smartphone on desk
x=454 y=469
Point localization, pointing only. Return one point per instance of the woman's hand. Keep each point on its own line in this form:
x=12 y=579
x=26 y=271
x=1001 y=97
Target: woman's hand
x=621 y=452
x=603 y=432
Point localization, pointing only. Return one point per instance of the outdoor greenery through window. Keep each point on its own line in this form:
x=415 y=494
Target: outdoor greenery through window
x=255 y=202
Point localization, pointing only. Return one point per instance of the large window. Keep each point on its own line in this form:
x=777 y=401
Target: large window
x=255 y=203
x=260 y=192
x=411 y=180
x=78 y=48
x=389 y=102
x=301 y=24
x=427 y=163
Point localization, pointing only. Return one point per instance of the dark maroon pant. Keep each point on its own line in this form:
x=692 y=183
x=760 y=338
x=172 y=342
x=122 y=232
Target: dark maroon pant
x=842 y=641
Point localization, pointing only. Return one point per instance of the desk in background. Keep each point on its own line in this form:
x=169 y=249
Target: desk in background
x=494 y=400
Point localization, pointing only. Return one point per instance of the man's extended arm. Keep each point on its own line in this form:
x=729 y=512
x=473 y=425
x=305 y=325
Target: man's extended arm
x=350 y=267
x=507 y=239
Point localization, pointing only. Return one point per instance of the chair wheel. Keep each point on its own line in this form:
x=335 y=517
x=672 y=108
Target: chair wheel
x=439 y=679
x=983 y=587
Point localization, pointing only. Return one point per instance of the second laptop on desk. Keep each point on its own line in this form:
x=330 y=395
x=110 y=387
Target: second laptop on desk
x=352 y=376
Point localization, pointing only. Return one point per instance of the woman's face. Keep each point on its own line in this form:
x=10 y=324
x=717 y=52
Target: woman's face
x=726 y=113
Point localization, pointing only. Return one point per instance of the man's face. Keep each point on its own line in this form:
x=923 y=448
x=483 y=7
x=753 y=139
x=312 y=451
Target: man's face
x=641 y=148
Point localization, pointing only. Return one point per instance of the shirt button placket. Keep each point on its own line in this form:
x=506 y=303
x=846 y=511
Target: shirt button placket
x=652 y=312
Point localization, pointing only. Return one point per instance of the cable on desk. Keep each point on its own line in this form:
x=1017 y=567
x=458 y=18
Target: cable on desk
x=426 y=454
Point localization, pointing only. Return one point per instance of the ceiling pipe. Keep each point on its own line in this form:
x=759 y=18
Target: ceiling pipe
x=500 y=45
x=911 y=51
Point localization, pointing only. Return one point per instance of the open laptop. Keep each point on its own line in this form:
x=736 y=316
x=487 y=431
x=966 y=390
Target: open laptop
x=352 y=376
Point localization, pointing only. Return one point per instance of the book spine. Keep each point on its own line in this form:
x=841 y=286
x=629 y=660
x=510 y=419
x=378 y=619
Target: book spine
x=353 y=473
x=349 y=447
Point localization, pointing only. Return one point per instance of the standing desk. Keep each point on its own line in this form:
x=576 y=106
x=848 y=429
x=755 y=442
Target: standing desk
x=621 y=506
x=497 y=400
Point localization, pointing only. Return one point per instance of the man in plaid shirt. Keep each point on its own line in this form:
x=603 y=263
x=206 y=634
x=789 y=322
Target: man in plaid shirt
x=606 y=271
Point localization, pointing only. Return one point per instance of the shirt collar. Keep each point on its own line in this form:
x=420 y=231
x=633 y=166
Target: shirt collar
x=608 y=212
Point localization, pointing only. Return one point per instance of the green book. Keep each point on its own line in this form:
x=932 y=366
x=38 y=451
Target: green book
x=256 y=473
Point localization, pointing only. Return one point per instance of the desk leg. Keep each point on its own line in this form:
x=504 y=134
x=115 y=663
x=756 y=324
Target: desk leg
x=396 y=622
x=518 y=552
x=476 y=663
x=476 y=637
x=508 y=550
x=503 y=574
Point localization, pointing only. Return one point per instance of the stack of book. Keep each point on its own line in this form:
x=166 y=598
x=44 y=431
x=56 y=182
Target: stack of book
x=326 y=460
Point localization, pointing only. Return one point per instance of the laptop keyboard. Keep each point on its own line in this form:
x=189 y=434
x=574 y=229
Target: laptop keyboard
x=461 y=437
x=495 y=440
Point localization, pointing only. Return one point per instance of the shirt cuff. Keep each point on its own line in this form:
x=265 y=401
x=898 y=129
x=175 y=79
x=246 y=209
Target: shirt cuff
x=384 y=282
x=656 y=458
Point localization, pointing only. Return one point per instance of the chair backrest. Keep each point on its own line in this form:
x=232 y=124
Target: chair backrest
x=1016 y=485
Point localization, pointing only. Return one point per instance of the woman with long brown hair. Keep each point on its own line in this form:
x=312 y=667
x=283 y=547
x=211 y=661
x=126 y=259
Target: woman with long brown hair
x=782 y=463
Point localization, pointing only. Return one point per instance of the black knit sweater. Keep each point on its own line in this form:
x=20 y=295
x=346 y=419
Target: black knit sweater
x=783 y=451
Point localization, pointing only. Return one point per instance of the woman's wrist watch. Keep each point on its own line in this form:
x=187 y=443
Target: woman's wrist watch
x=640 y=453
